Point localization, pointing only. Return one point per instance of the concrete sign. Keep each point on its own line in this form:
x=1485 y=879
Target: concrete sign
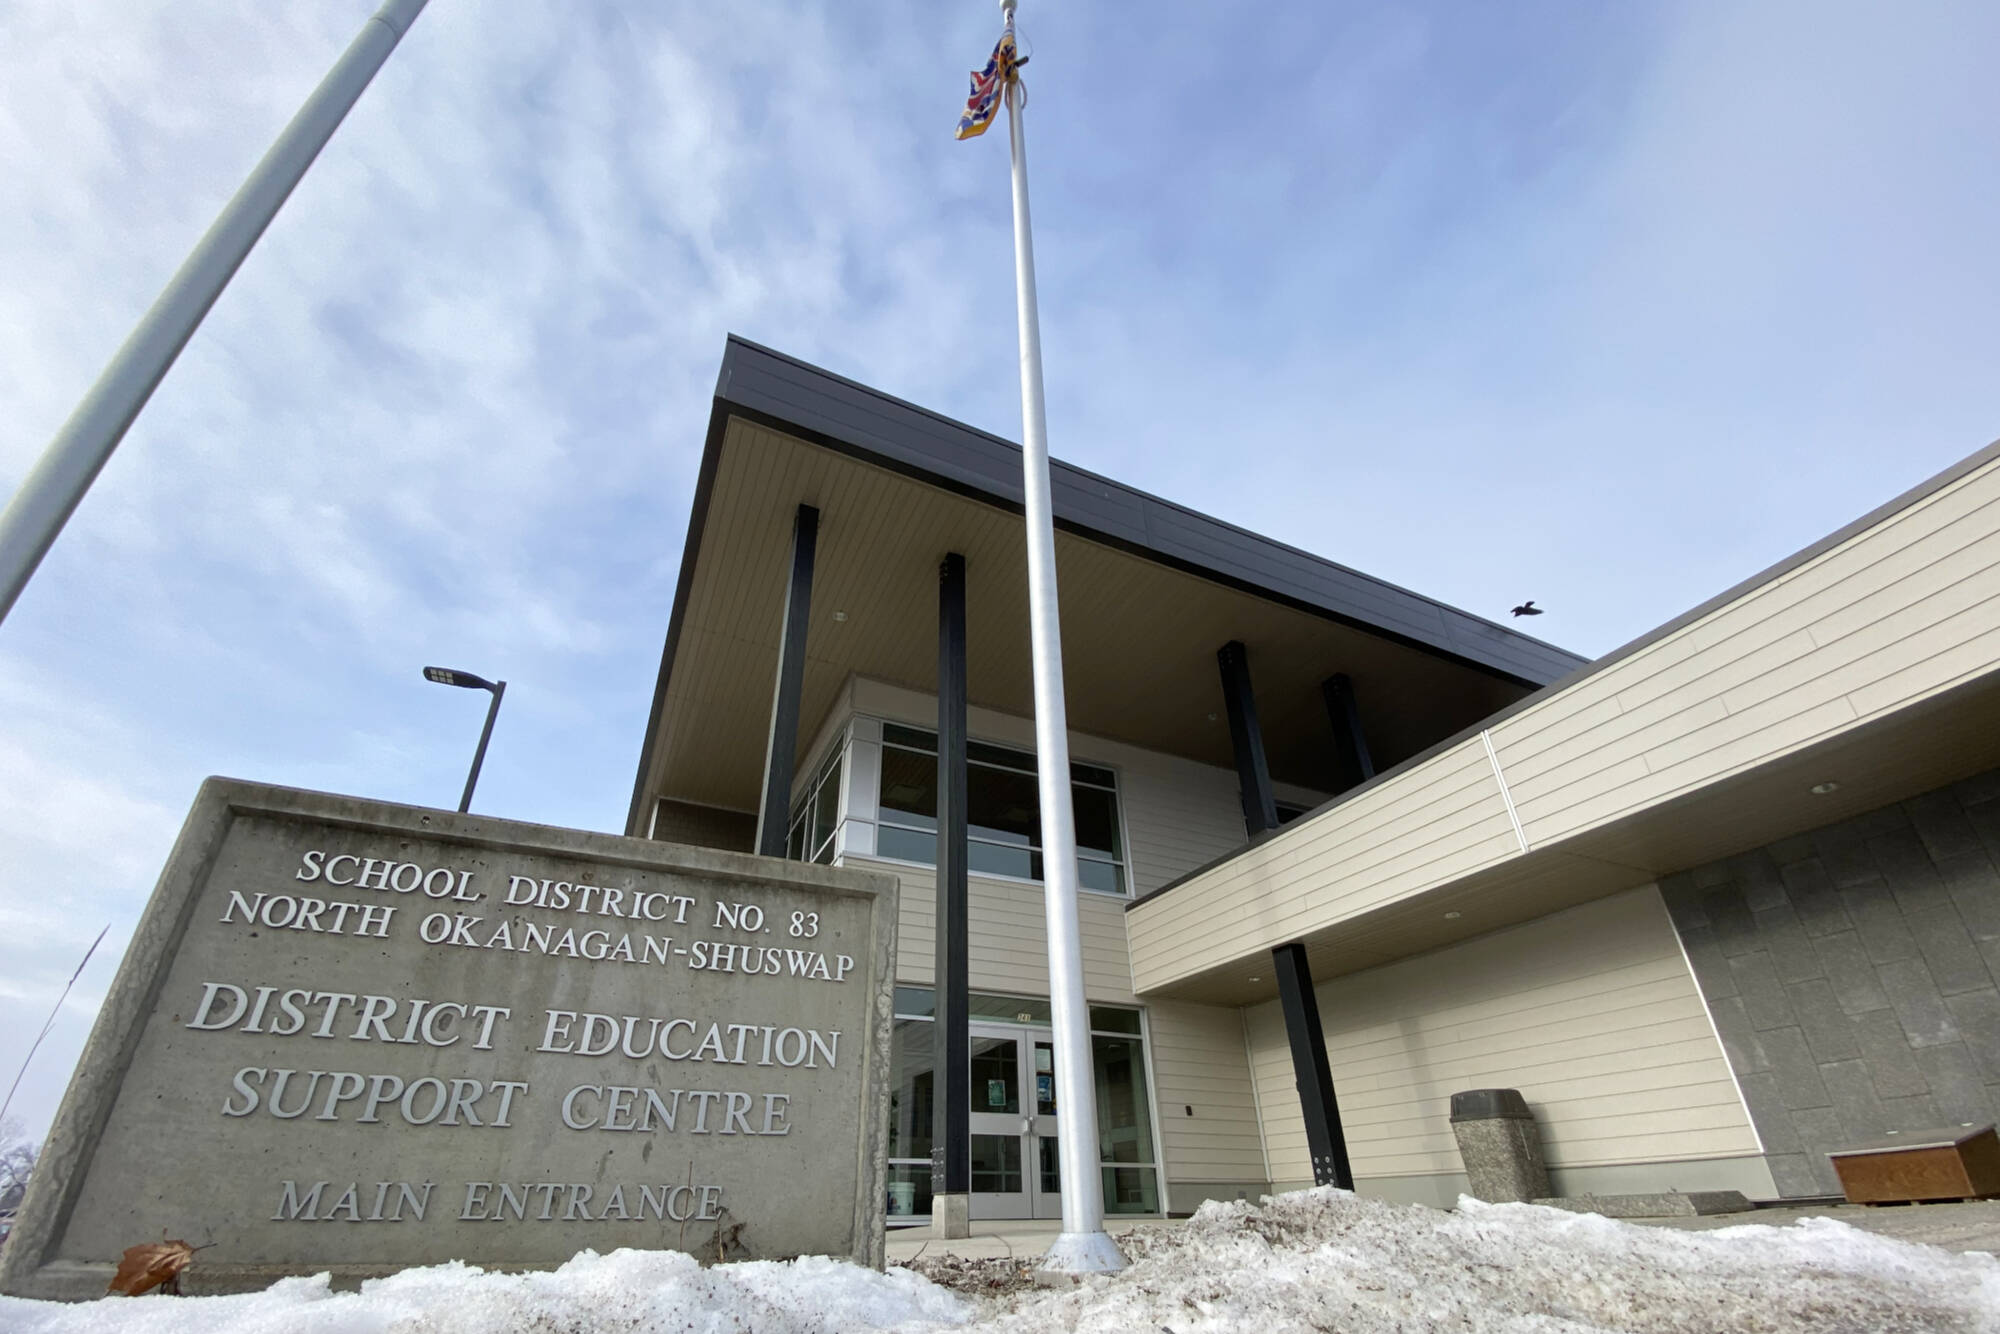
x=351 y=1036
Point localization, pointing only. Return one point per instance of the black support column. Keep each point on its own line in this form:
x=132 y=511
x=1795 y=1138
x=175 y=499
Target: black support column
x=774 y=811
x=1309 y=1065
x=951 y=1136
x=1260 y=806
x=1345 y=716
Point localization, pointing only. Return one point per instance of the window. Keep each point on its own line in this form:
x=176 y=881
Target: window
x=1002 y=807
x=1124 y=1113
x=911 y=1065
x=817 y=816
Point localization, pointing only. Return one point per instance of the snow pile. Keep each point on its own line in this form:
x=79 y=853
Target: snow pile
x=632 y=1292
x=1315 y=1260
x=1328 y=1260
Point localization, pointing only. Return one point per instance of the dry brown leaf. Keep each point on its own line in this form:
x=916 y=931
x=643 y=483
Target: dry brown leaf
x=147 y=1267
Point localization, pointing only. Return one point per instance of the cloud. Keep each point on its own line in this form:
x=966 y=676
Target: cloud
x=81 y=850
x=448 y=410
x=1605 y=309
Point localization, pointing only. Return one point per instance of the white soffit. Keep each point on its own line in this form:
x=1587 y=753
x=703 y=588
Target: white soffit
x=1139 y=637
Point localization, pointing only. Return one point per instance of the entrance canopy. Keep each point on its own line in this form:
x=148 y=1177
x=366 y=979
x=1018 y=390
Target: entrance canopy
x=1150 y=592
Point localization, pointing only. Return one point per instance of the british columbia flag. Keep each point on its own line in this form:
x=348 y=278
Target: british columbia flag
x=988 y=84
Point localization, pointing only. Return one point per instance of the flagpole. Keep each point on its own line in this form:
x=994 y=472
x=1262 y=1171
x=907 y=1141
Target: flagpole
x=51 y=491
x=1083 y=1247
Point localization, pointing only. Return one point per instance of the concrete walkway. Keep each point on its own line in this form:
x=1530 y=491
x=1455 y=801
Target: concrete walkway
x=1955 y=1227
x=1025 y=1239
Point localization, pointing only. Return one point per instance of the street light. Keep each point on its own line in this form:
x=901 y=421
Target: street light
x=445 y=676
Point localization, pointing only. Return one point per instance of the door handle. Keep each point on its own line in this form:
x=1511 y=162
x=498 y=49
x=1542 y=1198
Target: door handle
x=1027 y=1125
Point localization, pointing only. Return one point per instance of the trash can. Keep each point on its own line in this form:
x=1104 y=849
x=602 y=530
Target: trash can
x=1500 y=1146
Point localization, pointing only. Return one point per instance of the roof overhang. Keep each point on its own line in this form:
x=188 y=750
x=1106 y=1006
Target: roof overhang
x=1150 y=591
x=1869 y=661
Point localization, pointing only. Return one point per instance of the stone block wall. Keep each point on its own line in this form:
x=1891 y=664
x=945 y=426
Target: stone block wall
x=1853 y=973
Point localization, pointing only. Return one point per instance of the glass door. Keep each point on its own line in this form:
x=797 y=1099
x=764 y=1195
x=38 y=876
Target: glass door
x=1013 y=1124
x=998 y=1124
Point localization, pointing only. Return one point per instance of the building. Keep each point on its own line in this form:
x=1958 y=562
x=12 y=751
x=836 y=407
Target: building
x=1715 y=903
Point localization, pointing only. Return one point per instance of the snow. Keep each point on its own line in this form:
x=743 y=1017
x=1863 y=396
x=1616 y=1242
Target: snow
x=1314 y=1260
x=1328 y=1260
x=636 y=1291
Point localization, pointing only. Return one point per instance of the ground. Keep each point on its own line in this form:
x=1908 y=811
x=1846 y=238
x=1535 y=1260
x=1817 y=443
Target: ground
x=1321 y=1260
x=1973 y=1226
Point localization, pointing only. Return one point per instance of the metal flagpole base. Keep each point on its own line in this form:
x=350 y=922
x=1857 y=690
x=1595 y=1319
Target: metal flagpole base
x=1076 y=1254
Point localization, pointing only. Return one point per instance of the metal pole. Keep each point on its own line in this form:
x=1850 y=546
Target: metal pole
x=53 y=488
x=1311 y=1071
x=781 y=742
x=1348 y=738
x=1246 y=738
x=479 y=755
x=951 y=1141
x=1083 y=1247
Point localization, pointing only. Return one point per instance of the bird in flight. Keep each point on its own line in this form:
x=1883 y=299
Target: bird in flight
x=1528 y=608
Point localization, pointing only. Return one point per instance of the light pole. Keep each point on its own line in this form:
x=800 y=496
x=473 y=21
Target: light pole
x=54 y=487
x=446 y=676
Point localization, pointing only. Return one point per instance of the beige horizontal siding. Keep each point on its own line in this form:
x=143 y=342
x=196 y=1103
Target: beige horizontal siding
x=1006 y=936
x=1893 y=615
x=1898 y=612
x=1590 y=1012
x=1180 y=815
x=1200 y=1063
x=1441 y=820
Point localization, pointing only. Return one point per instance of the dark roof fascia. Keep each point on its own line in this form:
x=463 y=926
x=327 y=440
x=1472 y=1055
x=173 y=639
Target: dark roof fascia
x=798 y=399
x=1920 y=491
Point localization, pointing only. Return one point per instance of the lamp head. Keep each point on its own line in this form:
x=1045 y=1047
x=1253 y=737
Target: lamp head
x=447 y=676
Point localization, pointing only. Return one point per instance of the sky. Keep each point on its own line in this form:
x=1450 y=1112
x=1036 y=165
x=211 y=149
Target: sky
x=1605 y=306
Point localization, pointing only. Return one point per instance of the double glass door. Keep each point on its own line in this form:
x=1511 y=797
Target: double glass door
x=1015 y=1171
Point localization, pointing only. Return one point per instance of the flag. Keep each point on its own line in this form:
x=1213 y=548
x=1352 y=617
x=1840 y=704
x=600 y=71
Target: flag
x=988 y=84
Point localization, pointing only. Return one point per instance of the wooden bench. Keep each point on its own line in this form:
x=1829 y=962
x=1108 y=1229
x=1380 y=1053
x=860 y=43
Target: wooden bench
x=1956 y=1163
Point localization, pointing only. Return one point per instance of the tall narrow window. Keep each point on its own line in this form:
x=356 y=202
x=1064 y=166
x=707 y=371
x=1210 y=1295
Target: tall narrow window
x=1003 y=810
x=910 y=1105
x=816 y=818
x=1124 y=1112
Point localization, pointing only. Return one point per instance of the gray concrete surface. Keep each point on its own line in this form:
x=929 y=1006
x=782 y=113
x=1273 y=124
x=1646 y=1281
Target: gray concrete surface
x=1503 y=1158
x=1955 y=1227
x=1654 y=1204
x=951 y=1216
x=1854 y=975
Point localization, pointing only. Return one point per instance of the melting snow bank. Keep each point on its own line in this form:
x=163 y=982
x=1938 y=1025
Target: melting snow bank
x=1328 y=1260
x=1315 y=1260
x=633 y=1292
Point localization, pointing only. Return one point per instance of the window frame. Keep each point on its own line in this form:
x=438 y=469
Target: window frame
x=800 y=846
x=1100 y=778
